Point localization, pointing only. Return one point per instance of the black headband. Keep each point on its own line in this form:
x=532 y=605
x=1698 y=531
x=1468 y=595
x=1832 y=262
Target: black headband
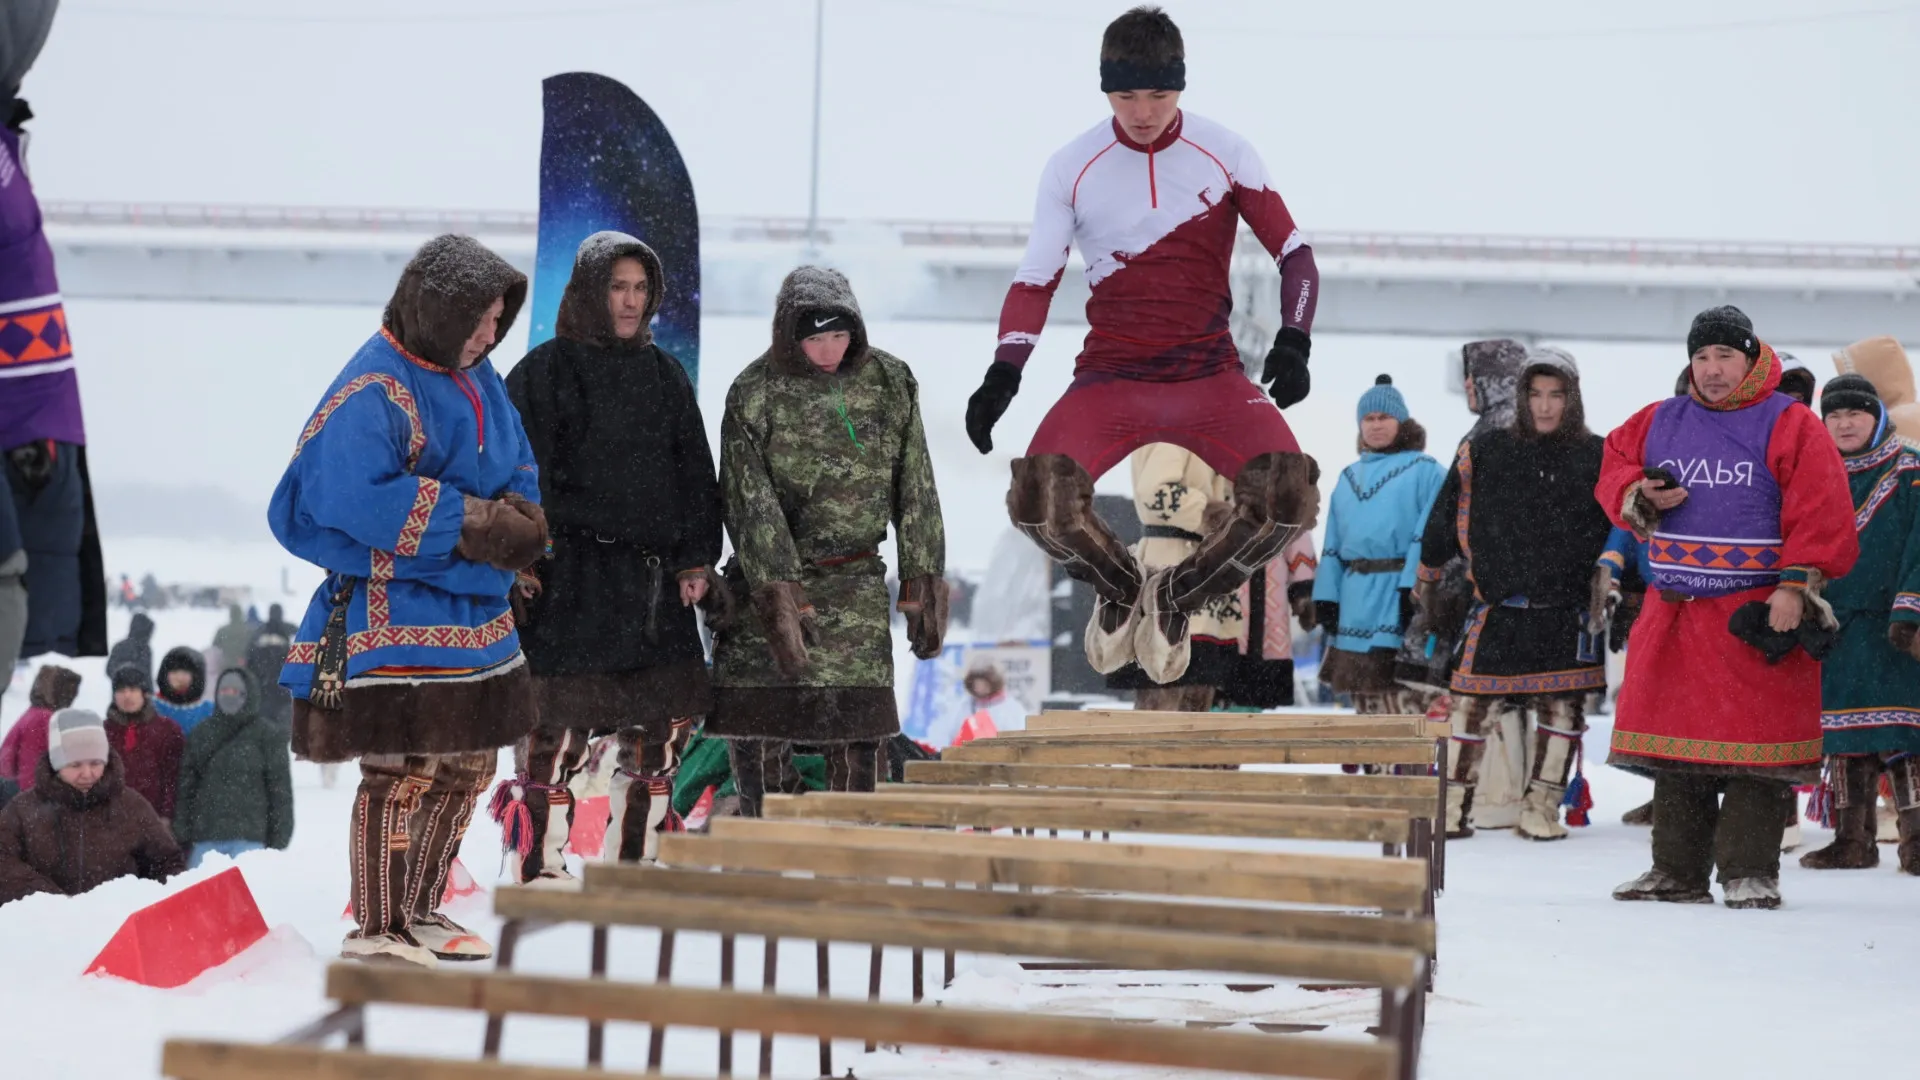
x=1118 y=75
x=821 y=321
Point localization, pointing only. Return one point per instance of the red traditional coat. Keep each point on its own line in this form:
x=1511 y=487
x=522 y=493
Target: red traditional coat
x=1696 y=697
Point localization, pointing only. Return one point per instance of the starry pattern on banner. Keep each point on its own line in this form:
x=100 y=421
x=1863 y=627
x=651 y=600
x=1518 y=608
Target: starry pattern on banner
x=607 y=161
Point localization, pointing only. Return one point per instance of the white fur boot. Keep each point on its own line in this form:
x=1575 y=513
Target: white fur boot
x=1161 y=657
x=1506 y=762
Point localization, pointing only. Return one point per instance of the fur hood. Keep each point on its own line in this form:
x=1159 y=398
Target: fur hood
x=584 y=316
x=182 y=658
x=54 y=687
x=1885 y=365
x=1557 y=363
x=1411 y=437
x=251 y=707
x=1493 y=366
x=442 y=293
x=814 y=288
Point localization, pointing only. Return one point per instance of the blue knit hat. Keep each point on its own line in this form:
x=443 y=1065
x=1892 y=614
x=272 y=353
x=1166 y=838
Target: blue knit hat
x=1383 y=398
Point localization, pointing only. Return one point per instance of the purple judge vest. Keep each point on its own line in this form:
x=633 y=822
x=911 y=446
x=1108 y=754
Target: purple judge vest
x=1726 y=537
x=39 y=395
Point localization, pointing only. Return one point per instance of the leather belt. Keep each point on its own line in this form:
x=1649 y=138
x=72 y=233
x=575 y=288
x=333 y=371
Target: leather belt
x=1673 y=597
x=1170 y=532
x=1374 y=566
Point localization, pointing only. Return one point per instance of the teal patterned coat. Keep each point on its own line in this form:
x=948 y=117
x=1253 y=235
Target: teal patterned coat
x=1870 y=691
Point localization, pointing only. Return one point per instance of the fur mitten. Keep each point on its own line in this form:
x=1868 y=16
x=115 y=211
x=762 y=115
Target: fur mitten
x=1639 y=513
x=719 y=603
x=508 y=533
x=789 y=622
x=923 y=600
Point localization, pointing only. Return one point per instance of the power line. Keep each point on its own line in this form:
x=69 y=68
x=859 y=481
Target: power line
x=1669 y=29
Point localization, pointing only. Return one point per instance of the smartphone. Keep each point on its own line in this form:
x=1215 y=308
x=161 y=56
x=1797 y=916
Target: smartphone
x=1655 y=472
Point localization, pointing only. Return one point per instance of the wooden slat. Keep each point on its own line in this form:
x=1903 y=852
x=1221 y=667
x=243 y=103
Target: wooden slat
x=1151 y=751
x=1420 y=806
x=190 y=1059
x=1291 y=923
x=1068 y=811
x=1195 y=732
x=1389 y=884
x=1085 y=717
x=1174 y=857
x=970 y=1029
x=1119 y=946
x=1058 y=722
x=1183 y=780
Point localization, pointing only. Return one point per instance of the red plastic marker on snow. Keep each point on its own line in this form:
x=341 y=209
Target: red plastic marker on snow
x=170 y=943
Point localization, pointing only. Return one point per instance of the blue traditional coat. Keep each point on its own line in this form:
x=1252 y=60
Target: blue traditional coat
x=374 y=494
x=1378 y=510
x=1623 y=550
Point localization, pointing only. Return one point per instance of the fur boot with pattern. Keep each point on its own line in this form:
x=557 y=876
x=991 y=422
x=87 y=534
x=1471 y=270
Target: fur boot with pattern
x=1851 y=790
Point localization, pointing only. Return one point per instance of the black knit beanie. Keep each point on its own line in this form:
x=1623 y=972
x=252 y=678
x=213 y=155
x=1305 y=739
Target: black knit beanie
x=1851 y=391
x=1725 y=325
x=130 y=675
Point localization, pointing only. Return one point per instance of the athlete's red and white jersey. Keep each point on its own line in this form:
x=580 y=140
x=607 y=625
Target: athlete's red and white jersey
x=1155 y=226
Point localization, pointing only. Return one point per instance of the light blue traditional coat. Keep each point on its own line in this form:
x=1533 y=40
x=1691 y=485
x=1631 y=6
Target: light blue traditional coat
x=1378 y=510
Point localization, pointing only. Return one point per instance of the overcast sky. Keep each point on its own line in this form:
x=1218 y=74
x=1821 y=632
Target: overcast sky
x=1734 y=119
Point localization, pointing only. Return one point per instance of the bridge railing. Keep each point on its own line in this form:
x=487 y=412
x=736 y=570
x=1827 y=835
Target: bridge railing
x=1452 y=247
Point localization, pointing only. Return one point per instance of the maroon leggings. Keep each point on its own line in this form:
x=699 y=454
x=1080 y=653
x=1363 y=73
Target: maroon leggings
x=1224 y=418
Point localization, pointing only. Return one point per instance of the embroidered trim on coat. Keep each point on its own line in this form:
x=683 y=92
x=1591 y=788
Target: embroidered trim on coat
x=1804 y=752
x=1849 y=719
x=401 y=397
x=418 y=518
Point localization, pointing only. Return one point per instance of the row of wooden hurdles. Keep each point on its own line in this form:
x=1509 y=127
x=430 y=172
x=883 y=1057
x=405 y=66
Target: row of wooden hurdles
x=1313 y=918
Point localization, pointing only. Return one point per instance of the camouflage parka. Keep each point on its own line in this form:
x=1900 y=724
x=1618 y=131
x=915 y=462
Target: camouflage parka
x=813 y=469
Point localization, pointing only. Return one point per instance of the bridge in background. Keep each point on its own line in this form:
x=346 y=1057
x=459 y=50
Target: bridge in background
x=1428 y=285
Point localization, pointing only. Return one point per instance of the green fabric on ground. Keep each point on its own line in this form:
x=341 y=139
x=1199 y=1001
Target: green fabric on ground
x=705 y=765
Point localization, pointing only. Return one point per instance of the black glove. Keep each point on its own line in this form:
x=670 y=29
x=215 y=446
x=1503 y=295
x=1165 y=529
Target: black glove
x=1327 y=614
x=1286 y=371
x=990 y=402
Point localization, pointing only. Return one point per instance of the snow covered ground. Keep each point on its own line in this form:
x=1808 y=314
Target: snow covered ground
x=1540 y=972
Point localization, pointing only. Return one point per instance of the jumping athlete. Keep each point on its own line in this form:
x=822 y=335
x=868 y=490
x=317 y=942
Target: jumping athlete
x=1153 y=197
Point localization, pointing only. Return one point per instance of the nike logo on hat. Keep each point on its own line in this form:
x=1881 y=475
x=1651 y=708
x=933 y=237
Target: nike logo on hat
x=818 y=323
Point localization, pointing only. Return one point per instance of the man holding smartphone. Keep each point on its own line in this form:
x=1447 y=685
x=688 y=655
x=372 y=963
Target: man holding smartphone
x=1744 y=501
x=1517 y=507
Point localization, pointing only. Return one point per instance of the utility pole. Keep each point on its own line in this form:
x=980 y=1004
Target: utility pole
x=813 y=187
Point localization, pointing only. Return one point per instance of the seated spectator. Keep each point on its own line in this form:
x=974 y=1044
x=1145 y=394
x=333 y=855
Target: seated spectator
x=236 y=784
x=54 y=688
x=150 y=745
x=80 y=826
x=182 y=696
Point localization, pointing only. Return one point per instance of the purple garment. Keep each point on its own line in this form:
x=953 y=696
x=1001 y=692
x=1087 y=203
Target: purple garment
x=39 y=393
x=1725 y=538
